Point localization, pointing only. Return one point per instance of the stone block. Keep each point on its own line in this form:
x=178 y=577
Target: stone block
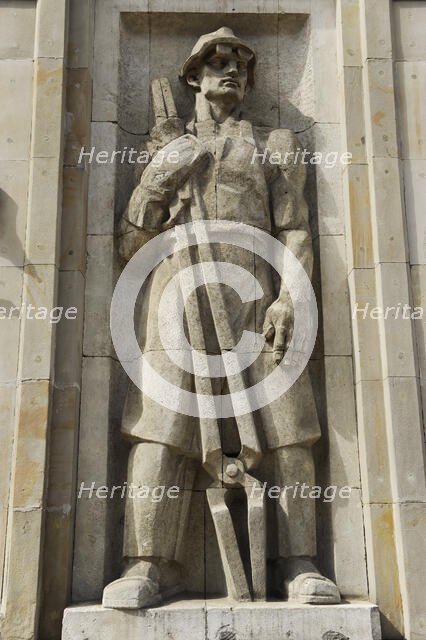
x=409 y=20
x=17 y=29
x=323 y=20
x=105 y=64
x=73 y=221
x=335 y=296
x=396 y=330
x=358 y=215
x=32 y=407
x=43 y=224
x=350 y=570
x=413 y=524
x=376 y=29
x=47 y=133
x=99 y=289
x=380 y=112
x=341 y=421
x=52 y=18
x=134 y=77
x=37 y=334
x=20 y=589
x=383 y=566
x=406 y=437
x=296 y=97
x=414 y=191
x=77 y=114
x=418 y=283
x=323 y=191
x=91 y=512
x=80 y=34
x=352 y=88
x=69 y=333
x=389 y=235
x=211 y=620
x=16 y=87
x=348 y=17
x=13 y=207
x=365 y=326
x=10 y=296
x=100 y=218
x=62 y=455
x=373 y=451
x=411 y=87
x=7 y=411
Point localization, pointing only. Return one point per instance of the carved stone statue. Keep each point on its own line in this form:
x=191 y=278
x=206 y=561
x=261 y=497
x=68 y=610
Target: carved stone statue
x=225 y=172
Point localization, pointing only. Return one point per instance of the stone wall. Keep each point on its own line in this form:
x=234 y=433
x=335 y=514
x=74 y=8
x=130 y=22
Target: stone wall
x=345 y=75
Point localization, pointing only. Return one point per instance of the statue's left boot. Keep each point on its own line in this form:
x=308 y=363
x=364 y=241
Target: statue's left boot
x=304 y=584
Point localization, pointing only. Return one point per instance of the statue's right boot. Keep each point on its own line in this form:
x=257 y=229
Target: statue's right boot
x=143 y=584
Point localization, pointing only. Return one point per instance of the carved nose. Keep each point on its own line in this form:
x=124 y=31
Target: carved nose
x=231 y=69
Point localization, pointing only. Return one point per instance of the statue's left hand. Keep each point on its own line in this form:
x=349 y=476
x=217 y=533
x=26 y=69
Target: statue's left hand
x=278 y=327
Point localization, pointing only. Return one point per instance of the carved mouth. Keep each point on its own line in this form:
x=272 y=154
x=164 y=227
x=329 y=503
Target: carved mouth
x=231 y=82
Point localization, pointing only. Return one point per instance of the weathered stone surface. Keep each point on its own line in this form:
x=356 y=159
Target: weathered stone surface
x=409 y=25
x=359 y=231
x=46 y=138
x=380 y=101
x=365 y=324
x=100 y=219
x=38 y=335
x=414 y=190
x=352 y=90
x=341 y=421
x=44 y=195
x=411 y=86
x=335 y=296
x=32 y=422
x=99 y=287
x=91 y=539
x=51 y=29
x=376 y=29
x=13 y=203
x=10 y=296
x=418 y=281
x=383 y=565
x=374 y=462
x=393 y=293
x=73 y=222
x=80 y=34
x=16 y=87
x=406 y=434
x=219 y=620
x=18 y=25
x=389 y=236
x=324 y=61
x=69 y=334
x=77 y=115
x=348 y=17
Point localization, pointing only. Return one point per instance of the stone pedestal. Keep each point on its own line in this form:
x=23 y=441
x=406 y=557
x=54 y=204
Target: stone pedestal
x=224 y=620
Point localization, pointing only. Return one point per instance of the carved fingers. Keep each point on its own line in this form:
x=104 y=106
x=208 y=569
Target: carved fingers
x=278 y=328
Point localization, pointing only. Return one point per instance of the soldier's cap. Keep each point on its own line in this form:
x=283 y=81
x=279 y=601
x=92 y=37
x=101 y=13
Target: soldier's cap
x=206 y=43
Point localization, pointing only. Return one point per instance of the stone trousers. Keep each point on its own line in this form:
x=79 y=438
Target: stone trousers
x=155 y=528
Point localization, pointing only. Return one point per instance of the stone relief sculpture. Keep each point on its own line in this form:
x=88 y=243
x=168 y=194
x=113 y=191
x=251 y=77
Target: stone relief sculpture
x=224 y=173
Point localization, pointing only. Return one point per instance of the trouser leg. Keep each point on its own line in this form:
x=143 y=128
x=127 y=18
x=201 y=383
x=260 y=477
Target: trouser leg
x=154 y=527
x=295 y=514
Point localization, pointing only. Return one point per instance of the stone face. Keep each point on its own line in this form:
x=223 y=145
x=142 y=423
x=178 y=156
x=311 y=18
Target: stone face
x=220 y=620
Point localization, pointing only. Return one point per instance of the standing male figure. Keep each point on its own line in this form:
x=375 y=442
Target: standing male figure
x=227 y=175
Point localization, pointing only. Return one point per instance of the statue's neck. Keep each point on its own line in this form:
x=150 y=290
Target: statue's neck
x=205 y=110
